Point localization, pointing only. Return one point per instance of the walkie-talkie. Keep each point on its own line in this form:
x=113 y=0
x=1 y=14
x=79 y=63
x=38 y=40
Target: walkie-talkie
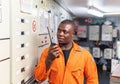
x=52 y=43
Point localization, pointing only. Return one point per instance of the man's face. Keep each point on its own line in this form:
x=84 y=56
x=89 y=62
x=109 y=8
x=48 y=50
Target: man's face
x=65 y=33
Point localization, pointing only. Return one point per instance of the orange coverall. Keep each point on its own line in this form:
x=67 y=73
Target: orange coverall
x=80 y=63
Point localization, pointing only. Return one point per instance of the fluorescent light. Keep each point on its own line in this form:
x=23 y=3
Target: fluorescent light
x=112 y=13
x=95 y=12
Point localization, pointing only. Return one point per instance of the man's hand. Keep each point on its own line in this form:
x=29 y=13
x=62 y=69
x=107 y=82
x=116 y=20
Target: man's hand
x=52 y=54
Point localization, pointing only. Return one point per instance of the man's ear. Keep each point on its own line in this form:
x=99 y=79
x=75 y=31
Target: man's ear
x=73 y=35
x=74 y=32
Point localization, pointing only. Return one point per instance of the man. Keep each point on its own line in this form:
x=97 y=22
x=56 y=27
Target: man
x=66 y=62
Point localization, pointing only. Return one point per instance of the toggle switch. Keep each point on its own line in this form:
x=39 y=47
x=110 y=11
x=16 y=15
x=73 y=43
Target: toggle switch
x=22 y=20
x=22 y=45
x=22 y=57
x=23 y=69
x=22 y=33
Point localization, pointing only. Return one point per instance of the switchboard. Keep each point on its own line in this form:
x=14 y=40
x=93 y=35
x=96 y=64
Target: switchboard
x=94 y=32
x=4 y=49
x=107 y=33
x=24 y=24
x=5 y=72
x=82 y=31
x=4 y=42
x=108 y=53
x=24 y=35
x=4 y=19
x=96 y=52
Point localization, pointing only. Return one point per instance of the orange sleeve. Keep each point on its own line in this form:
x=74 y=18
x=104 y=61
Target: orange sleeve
x=40 y=73
x=91 y=70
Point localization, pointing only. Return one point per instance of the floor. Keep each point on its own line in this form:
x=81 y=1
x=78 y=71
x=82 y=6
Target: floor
x=104 y=77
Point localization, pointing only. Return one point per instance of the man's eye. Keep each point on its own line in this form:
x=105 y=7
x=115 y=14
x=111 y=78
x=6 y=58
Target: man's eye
x=65 y=32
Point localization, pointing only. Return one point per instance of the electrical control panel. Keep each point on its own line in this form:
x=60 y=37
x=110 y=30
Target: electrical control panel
x=108 y=53
x=82 y=31
x=4 y=42
x=24 y=35
x=107 y=33
x=96 y=52
x=4 y=19
x=94 y=32
x=5 y=72
x=4 y=49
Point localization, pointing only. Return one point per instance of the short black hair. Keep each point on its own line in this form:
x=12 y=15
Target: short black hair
x=67 y=21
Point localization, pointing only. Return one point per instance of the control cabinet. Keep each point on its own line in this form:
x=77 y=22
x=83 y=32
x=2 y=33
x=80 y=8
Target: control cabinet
x=94 y=32
x=96 y=52
x=108 y=53
x=82 y=31
x=107 y=33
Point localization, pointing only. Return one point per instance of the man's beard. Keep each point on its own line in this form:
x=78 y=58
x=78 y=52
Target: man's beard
x=63 y=44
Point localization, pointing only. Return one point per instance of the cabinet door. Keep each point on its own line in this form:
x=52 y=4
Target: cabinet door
x=5 y=72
